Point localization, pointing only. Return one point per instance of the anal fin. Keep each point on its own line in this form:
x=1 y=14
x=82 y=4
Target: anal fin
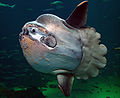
x=65 y=82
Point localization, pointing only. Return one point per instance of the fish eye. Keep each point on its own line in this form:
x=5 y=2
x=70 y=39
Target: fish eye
x=33 y=31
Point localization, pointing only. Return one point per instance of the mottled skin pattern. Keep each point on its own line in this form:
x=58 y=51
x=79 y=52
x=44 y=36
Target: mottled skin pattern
x=65 y=55
x=66 y=48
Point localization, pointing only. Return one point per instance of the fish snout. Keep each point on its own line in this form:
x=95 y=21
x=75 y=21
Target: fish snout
x=20 y=36
x=24 y=32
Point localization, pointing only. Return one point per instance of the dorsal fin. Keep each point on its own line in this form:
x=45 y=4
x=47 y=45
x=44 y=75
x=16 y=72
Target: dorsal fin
x=78 y=17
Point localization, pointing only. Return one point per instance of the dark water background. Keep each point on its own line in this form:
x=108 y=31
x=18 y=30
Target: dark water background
x=104 y=15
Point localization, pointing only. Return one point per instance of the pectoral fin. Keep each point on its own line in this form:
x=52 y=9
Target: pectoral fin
x=65 y=82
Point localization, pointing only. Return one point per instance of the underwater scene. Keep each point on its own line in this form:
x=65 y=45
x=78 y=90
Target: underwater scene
x=59 y=49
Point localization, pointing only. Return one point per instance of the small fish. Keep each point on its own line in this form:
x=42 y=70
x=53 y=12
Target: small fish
x=118 y=48
x=59 y=7
x=3 y=52
x=4 y=38
x=9 y=56
x=29 y=9
x=48 y=10
x=56 y=2
x=7 y=5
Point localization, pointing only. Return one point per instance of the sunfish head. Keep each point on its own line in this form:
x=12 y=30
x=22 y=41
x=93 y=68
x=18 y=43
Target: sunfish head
x=49 y=45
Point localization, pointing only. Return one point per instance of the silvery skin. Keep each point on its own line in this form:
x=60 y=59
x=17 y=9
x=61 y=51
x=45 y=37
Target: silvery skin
x=66 y=48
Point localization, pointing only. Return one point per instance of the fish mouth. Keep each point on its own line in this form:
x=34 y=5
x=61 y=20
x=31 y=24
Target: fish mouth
x=39 y=35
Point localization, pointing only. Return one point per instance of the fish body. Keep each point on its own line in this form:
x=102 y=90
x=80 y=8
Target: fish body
x=66 y=54
x=7 y=5
x=118 y=48
x=49 y=9
x=56 y=2
x=66 y=48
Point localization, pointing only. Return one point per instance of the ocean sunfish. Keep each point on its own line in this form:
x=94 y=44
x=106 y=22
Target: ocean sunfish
x=66 y=48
